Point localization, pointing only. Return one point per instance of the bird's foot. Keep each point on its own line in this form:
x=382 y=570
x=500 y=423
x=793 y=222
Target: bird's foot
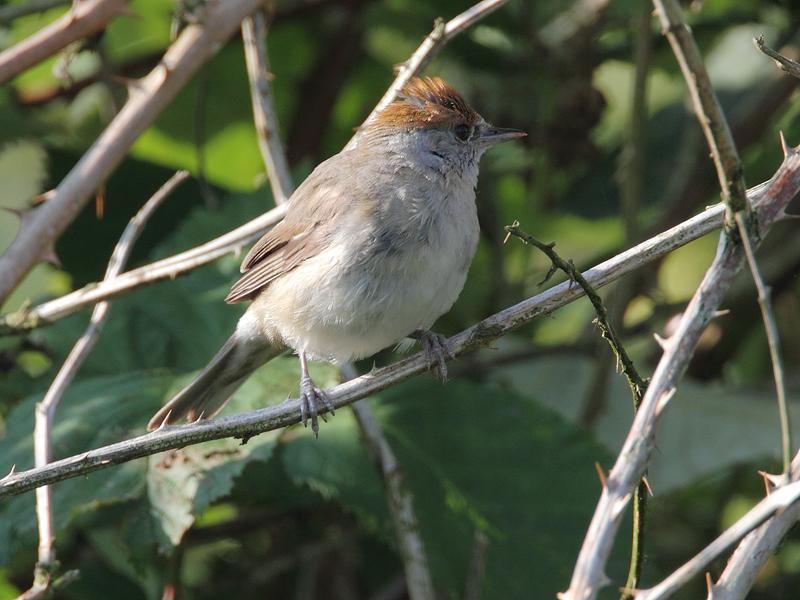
x=312 y=399
x=436 y=349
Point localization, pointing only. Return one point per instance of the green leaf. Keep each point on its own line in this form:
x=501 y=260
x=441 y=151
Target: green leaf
x=700 y=433
x=93 y=413
x=475 y=457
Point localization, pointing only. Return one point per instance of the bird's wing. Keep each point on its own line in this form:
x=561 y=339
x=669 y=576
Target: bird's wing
x=276 y=257
x=314 y=212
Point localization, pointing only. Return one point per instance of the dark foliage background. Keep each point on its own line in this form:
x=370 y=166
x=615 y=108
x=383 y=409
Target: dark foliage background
x=508 y=446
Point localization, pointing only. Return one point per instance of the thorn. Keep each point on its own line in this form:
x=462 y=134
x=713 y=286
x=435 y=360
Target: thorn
x=662 y=342
x=49 y=256
x=646 y=483
x=600 y=474
x=603 y=580
x=100 y=202
x=784 y=145
x=784 y=216
x=23 y=214
x=42 y=198
x=721 y=313
x=709 y=586
x=771 y=482
x=11 y=472
x=165 y=422
x=200 y=417
x=662 y=402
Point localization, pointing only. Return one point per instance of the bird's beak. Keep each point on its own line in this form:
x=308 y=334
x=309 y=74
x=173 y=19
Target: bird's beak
x=494 y=135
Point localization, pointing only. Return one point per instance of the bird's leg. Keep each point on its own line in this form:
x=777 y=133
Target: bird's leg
x=310 y=398
x=436 y=350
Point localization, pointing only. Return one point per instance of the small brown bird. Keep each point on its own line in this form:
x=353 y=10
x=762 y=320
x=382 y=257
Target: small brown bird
x=375 y=246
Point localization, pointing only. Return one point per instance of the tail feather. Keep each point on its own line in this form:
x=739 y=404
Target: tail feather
x=212 y=388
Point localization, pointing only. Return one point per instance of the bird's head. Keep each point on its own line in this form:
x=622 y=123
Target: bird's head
x=431 y=119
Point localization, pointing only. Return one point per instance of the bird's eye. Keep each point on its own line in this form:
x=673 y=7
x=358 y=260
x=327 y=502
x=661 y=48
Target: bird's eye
x=462 y=132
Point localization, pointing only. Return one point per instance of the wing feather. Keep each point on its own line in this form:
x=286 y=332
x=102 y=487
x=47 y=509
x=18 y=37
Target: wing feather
x=315 y=208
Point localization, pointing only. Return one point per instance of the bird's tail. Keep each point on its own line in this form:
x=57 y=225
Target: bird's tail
x=215 y=384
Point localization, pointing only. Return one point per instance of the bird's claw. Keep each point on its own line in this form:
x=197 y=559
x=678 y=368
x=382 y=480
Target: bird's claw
x=310 y=399
x=437 y=350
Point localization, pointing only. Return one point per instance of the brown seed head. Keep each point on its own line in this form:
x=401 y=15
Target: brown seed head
x=427 y=102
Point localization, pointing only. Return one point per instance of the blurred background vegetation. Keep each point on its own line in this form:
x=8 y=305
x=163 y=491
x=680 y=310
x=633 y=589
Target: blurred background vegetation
x=508 y=447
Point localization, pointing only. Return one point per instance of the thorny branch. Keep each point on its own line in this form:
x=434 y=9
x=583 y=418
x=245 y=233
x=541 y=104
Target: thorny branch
x=730 y=175
x=254 y=32
x=781 y=499
x=756 y=548
x=45 y=410
x=786 y=64
x=589 y=576
x=82 y=20
x=167 y=268
x=770 y=198
x=773 y=341
x=636 y=384
x=709 y=112
x=147 y=98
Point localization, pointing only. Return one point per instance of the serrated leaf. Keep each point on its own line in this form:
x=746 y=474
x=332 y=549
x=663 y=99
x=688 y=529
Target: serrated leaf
x=475 y=457
x=93 y=413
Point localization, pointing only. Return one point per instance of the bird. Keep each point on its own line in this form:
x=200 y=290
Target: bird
x=375 y=246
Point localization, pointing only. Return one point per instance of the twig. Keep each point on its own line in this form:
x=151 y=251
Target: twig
x=749 y=557
x=632 y=170
x=636 y=384
x=441 y=34
x=166 y=268
x=773 y=341
x=786 y=64
x=45 y=410
x=400 y=499
x=770 y=199
x=254 y=32
x=195 y=45
x=709 y=112
x=82 y=20
x=729 y=173
x=588 y=576
x=477 y=566
x=12 y=12
x=779 y=500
